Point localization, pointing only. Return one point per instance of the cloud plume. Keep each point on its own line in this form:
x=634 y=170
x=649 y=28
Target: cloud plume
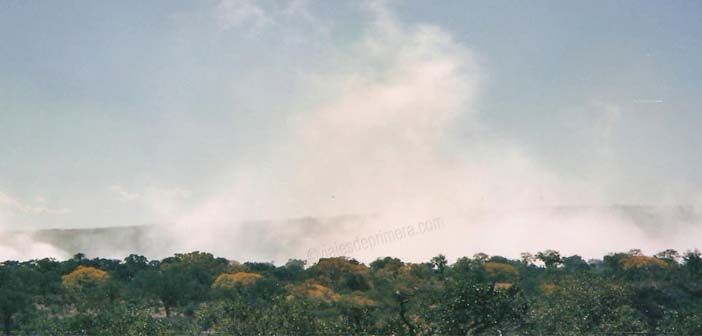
x=380 y=144
x=387 y=133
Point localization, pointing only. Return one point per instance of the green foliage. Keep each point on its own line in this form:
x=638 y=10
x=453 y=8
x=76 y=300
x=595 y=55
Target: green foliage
x=14 y=298
x=439 y=262
x=341 y=273
x=684 y=322
x=583 y=305
x=473 y=306
x=196 y=293
x=114 y=320
x=239 y=316
x=550 y=258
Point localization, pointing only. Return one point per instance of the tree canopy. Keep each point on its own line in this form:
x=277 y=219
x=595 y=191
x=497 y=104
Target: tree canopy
x=196 y=292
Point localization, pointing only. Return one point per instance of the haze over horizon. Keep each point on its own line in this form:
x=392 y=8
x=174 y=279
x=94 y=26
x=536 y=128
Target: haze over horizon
x=201 y=115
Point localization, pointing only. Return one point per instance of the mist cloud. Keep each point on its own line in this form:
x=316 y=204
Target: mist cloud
x=381 y=143
x=378 y=146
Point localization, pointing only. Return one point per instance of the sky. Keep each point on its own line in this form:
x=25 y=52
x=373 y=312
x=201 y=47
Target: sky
x=160 y=112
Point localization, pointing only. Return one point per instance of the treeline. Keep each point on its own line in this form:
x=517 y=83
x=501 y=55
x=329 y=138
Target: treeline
x=197 y=293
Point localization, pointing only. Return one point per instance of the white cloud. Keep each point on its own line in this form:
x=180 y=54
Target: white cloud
x=235 y=13
x=165 y=202
x=15 y=205
x=372 y=142
x=124 y=194
x=21 y=246
x=375 y=146
x=254 y=16
x=170 y=192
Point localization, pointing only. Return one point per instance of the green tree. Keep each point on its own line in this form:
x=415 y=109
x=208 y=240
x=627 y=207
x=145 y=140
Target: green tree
x=550 y=258
x=471 y=306
x=13 y=298
x=439 y=263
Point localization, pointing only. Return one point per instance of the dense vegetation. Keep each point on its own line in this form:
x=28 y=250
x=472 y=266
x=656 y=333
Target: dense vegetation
x=196 y=292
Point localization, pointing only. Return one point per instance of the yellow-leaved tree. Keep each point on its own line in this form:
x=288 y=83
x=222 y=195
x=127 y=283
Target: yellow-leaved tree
x=88 y=287
x=502 y=274
x=642 y=261
x=229 y=280
x=84 y=276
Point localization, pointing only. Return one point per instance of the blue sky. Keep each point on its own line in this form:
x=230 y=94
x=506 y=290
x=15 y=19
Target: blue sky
x=136 y=112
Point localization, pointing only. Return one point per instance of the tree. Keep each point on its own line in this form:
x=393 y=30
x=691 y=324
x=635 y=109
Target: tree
x=669 y=254
x=341 y=273
x=403 y=299
x=501 y=272
x=85 y=276
x=131 y=266
x=575 y=264
x=583 y=304
x=229 y=281
x=236 y=316
x=168 y=285
x=550 y=258
x=439 y=262
x=13 y=298
x=387 y=263
x=693 y=262
x=201 y=294
x=481 y=257
x=87 y=286
x=471 y=306
x=293 y=270
x=686 y=321
x=527 y=258
x=184 y=279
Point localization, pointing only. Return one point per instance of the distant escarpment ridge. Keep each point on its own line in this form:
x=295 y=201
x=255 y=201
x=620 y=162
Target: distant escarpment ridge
x=261 y=237
x=271 y=238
